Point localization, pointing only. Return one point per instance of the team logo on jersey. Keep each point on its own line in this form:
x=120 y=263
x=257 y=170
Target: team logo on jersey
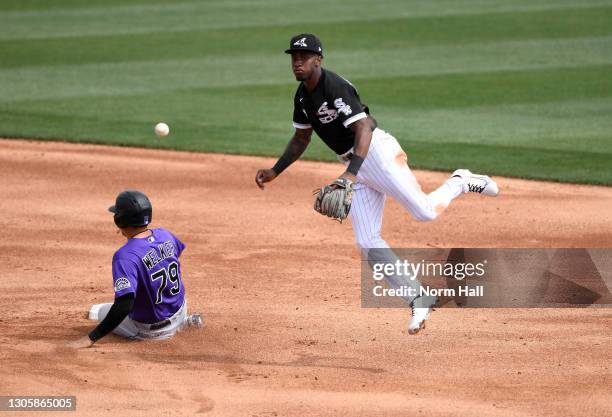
x=325 y=114
x=121 y=284
x=342 y=106
x=301 y=42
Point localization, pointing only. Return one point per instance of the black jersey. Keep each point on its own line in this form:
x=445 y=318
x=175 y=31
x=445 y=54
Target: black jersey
x=329 y=109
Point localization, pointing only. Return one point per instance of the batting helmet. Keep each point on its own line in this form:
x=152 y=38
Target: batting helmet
x=132 y=208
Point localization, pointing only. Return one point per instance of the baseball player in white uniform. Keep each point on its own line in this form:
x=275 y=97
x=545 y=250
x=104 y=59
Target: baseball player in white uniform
x=375 y=162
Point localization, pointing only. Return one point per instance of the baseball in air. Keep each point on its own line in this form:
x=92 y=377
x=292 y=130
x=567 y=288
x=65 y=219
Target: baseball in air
x=162 y=130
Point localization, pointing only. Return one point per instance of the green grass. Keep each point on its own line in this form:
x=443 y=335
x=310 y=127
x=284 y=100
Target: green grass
x=521 y=88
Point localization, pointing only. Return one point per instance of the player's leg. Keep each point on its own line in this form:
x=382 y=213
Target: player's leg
x=366 y=216
x=387 y=170
x=126 y=328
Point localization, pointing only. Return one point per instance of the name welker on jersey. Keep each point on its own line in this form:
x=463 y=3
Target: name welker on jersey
x=327 y=115
x=153 y=257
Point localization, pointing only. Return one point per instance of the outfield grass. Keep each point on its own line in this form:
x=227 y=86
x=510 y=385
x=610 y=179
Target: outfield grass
x=518 y=88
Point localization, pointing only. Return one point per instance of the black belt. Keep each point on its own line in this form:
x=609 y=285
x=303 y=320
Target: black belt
x=160 y=325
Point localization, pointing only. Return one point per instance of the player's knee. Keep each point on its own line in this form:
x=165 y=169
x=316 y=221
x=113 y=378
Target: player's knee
x=426 y=216
x=362 y=243
x=368 y=242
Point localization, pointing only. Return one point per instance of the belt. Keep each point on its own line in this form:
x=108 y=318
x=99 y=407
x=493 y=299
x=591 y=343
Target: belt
x=154 y=326
x=160 y=325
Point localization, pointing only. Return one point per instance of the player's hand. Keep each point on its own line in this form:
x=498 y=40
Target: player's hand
x=347 y=175
x=263 y=176
x=83 y=342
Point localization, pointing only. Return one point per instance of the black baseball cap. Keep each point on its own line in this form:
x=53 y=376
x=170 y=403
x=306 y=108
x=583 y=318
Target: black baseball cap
x=305 y=42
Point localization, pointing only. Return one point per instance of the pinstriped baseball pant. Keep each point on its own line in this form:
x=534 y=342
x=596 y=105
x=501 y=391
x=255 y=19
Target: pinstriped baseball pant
x=385 y=172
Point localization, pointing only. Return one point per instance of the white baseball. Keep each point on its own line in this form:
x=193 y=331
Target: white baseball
x=162 y=129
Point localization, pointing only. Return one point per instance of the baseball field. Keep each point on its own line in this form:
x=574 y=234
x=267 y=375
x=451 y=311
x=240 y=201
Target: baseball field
x=519 y=89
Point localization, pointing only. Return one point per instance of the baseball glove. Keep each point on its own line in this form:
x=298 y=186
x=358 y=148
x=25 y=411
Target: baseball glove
x=334 y=200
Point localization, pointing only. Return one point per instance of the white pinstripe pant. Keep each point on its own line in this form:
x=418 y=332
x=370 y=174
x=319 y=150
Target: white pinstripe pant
x=385 y=172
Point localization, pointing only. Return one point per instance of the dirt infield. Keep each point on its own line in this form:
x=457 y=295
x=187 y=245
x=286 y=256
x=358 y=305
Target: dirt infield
x=278 y=285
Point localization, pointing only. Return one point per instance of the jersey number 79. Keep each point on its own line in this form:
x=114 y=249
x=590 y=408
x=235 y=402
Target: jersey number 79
x=167 y=274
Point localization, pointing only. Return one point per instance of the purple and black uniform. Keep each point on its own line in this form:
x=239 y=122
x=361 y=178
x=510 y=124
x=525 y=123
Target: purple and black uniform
x=147 y=281
x=150 y=269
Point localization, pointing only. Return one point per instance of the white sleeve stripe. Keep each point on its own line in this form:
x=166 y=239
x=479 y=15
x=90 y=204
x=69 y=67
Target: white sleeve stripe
x=353 y=119
x=301 y=126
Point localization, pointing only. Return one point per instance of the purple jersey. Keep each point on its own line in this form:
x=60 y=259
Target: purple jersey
x=150 y=269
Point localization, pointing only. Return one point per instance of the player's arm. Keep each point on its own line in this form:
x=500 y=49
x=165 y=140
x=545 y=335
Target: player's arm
x=295 y=148
x=363 y=137
x=117 y=313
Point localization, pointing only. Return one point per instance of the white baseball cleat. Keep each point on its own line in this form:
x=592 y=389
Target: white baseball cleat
x=195 y=320
x=419 y=315
x=474 y=183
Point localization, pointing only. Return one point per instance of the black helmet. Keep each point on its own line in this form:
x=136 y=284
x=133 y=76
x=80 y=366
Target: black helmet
x=132 y=208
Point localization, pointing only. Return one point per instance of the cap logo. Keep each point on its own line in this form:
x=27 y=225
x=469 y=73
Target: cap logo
x=301 y=42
